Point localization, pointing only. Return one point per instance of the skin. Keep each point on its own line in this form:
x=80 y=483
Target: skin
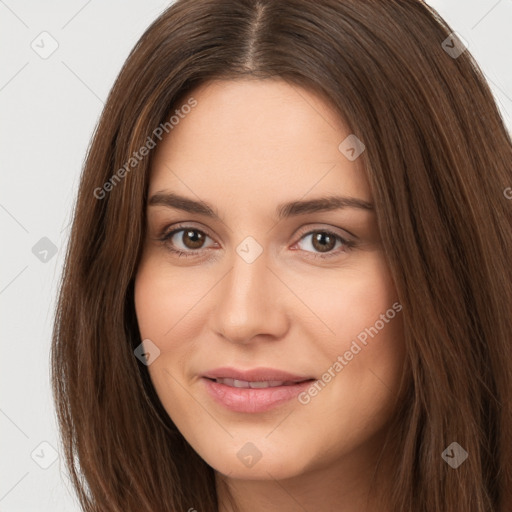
x=247 y=146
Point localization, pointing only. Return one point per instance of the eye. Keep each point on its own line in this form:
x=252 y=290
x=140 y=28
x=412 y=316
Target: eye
x=186 y=244
x=323 y=242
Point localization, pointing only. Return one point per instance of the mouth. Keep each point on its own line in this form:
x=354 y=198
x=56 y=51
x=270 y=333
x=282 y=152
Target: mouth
x=253 y=391
x=243 y=384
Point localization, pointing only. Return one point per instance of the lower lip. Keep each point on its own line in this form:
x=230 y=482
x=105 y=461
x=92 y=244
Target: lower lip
x=252 y=399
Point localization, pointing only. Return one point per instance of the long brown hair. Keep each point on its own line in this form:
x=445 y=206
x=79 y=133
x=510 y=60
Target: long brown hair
x=438 y=159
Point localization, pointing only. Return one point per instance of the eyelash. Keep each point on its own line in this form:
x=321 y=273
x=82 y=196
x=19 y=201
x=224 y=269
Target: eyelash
x=349 y=244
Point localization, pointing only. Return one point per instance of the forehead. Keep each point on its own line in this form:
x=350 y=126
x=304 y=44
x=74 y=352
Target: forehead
x=249 y=139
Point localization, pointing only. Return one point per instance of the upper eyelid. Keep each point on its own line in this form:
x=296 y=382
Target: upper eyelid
x=335 y=229
x=166 y=232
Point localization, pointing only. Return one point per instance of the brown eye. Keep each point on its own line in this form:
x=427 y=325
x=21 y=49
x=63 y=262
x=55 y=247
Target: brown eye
x=193 y=238
x=323 y=241
x=185 y=241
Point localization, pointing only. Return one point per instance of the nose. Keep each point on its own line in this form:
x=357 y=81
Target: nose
x=247 y=302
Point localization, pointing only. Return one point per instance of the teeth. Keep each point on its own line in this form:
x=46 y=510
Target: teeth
x=240 y=384
x=267 y=384
x=259 y=385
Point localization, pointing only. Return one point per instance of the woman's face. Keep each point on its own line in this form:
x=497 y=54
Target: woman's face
x=277 y=335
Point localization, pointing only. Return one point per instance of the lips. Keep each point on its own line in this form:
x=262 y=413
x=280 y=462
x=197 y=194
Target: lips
x=256 y=375
x=255 y=390
x=234 y=383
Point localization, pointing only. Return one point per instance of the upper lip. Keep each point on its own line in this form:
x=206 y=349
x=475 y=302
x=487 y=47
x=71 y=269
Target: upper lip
x=255 y=375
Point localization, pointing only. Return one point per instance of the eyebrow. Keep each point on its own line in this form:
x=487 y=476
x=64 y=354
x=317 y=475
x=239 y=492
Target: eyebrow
x=283 y=210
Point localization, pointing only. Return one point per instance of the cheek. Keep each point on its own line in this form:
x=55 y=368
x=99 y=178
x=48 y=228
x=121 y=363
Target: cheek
x=363 y=359
x=165 y=300
x=373 y=332
x=169 y=305
x=352 y=302
x=164 y=303
x=362 y=363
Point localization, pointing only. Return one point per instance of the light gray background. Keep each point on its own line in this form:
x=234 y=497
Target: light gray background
x=49 y=108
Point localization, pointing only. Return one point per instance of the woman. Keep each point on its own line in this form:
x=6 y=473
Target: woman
x=288 y=283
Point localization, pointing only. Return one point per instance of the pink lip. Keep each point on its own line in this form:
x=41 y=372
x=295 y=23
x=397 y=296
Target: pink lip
x=254 y=374
x=253 y=400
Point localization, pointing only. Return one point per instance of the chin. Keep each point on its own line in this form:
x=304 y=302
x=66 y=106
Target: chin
x=250 y=463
